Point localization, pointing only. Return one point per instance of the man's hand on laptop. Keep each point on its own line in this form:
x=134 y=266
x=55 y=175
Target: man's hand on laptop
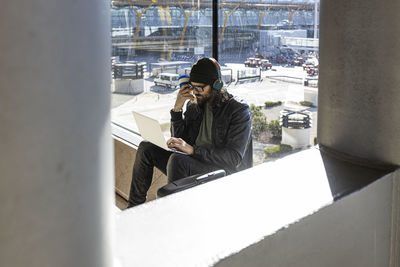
x=180 y=144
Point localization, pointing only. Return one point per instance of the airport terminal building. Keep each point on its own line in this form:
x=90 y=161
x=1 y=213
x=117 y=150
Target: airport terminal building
x=183 y=30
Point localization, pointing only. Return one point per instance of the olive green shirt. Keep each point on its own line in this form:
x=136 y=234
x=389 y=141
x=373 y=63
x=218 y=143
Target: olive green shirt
x=204 y=137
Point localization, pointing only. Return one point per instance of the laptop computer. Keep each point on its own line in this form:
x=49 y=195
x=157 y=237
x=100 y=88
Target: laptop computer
x=150 y=130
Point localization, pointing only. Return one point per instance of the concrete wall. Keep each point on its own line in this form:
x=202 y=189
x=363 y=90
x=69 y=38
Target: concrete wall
x=128 y=86
x=56 y=186
x=361 y=230
x=359 y=86
x=124 y=157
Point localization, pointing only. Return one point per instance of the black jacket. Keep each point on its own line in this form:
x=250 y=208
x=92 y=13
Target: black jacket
x=232 y=148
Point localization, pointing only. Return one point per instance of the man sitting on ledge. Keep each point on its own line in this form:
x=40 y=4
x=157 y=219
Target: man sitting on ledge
x=215 y=133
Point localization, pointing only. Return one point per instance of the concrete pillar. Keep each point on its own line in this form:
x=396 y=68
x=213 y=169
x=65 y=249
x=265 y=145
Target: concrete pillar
x=359 y=86
x=56 y=185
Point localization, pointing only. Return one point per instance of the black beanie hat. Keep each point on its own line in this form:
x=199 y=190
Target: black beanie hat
x=204 y=71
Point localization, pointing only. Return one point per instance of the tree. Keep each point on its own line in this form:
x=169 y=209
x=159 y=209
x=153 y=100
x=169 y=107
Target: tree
x=275 y=129
x=259 y=120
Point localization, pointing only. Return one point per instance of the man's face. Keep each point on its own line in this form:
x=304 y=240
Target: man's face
x=202 y=92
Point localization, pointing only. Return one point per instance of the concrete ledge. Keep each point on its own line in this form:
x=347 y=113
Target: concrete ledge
x=360 y=230
x=205 y=224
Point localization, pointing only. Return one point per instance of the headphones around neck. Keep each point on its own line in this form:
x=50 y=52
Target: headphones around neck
x=218 y=83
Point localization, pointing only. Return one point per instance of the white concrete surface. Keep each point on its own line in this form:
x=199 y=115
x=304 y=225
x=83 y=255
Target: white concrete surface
x=276 y=214
x=296 y=138
x=203 y=225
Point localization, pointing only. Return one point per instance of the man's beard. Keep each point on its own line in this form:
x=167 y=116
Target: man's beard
x=204 y=99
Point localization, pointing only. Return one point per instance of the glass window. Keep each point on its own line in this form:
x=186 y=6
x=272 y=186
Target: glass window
x=269 y=47
x=268 y=51
x=149 y=39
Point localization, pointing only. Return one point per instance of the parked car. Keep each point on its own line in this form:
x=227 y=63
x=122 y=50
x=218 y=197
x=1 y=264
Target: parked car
x=266 y=64
x=312 y=70
x=250 y=62
x=281 y=59
x=297 y=61
x=311 y=62
x=169 y=80
x=256 y=62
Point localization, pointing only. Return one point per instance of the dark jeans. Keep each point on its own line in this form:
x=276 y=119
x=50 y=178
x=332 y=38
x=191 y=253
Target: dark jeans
x=174 y=165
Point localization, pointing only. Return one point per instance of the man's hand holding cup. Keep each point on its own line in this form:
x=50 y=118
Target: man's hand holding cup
x=185 y=93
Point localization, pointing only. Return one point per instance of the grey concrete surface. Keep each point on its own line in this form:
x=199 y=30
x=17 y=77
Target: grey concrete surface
x=358 y=231
x=359 y=80
x=56 y=186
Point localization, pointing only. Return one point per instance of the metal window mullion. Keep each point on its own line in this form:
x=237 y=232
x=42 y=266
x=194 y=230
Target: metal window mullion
x=215 y=29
